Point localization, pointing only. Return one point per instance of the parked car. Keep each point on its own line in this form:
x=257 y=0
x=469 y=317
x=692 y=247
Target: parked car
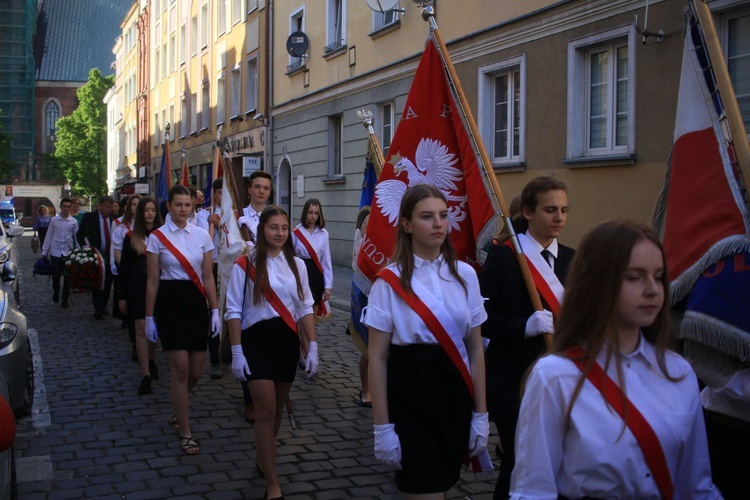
x=8 y=213
x=16 y=360
x=8 y=487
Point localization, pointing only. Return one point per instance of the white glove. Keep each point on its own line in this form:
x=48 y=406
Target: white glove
x=240 y=368
x=215 y=323
x=479 y=433
x=540 y=322
x=151 y=333
x=387 y=446
x=311 y=365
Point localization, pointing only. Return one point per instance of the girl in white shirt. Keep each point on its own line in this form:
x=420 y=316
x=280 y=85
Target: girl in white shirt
x=423 y=411
x=571 y=442
x=179 y=281
x=267 y=296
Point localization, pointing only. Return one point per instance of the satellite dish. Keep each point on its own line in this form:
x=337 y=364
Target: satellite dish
x=382 y=6
x=297 y=44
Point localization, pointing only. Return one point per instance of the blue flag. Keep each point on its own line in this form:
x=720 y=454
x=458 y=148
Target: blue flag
x=162 y=189
x=209 y=189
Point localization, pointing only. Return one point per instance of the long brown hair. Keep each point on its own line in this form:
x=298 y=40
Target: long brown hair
x=138 y=239
x=127 y=216
x=261 y=254
x=404 y=254
x=321 y=222
x=589 y=311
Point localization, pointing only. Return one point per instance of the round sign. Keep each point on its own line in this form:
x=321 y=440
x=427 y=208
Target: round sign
x=297 y=44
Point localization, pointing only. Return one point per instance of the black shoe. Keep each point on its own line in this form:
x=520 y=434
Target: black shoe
x=145 y=387
x=55 y=297
x=65 y=304
x=153 y=370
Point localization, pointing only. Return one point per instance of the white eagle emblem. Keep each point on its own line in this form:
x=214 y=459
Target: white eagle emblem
x=434 y=166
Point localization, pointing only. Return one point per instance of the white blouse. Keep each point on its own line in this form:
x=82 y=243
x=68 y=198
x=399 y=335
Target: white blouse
x=598 y=455
x=388 y=313
x=280 y=275
x=319 y=241
x=191 y=241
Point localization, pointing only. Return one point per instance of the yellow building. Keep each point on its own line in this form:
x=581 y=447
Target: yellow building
x=206 y=72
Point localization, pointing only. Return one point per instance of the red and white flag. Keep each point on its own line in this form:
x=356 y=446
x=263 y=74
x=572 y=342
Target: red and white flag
x=701 y=213
x=431 y=146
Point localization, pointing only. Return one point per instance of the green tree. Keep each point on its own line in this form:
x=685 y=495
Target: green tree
x=6 y=165
x=81 y=146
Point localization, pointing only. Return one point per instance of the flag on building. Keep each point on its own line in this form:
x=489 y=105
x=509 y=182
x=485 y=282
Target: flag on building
x=165 y=174
x=703 y=219
x=431 y=146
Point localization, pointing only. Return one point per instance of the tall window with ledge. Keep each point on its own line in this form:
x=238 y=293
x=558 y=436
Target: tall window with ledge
x=736 y=41
x=51 y=115
x=382 y=20
x=387 y=126
x=335 y=146
x=335 y=26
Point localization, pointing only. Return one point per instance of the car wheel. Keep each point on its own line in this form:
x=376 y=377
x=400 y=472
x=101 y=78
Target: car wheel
x=28 y=395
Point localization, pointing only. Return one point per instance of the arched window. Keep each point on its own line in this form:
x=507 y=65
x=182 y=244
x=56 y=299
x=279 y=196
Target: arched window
x=51 y=115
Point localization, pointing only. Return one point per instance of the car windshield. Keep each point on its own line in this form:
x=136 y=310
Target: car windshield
x=6 y=212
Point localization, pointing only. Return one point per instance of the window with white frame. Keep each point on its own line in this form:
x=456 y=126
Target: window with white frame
x=157 y=130
x=164 y=124
x=157 y=64
x=736 y=41
x=194 y=35
x=172 y=53
x=335 y=25
x=381 y=20
x=235 y=82
x=193 y=113
x=221 y=99
x=601 y=95
x=157 y=9
x=335 y=145
x=164 y=58
x=205 y=106
x=251 y=5
x=387 y=127
x=184 y=118
x=171 y=121
x=501 y=117
x=221 y=17
x=183 y=43
x=204 y=25
x=251 y=86
x=236 y=11
x=296 y=23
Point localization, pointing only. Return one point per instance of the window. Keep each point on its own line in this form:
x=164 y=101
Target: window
x=193 y=117
x=381 y=20
x=194 y=35
x=204 y=26
x=335 y=26
x=296 y=23
x=183 y=43
x=205 y=106
x=165 y=123
x=172 y=53
x=164 y=61
x=601 y=97
x=157 y=130
x=184 y=118
x=51 y=115
x=221 y=17
x=157 y=62
x=236 y=11
x=387 y=127
x=736 y=31
x=251 y=5
x=335 y=145
x=173 y=132
x=251 y=86
x=157 y=9
x=221 y=100
x=501 y=116
x=236 y=92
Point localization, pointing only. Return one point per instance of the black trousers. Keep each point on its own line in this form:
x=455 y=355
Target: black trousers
x=58 y=271
x=100 y=298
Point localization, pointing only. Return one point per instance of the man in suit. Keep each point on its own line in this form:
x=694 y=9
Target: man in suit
x=96 y=229
x=514 y=329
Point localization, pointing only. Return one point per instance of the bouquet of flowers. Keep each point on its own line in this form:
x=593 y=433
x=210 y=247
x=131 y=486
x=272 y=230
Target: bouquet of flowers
x=85 y=268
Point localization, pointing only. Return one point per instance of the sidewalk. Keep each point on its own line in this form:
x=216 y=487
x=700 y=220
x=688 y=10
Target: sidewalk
x=92 y=436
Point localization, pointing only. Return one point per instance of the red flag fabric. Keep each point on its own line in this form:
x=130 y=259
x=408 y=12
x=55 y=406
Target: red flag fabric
x=185 y=180
x=700 y=212
x=431 y=146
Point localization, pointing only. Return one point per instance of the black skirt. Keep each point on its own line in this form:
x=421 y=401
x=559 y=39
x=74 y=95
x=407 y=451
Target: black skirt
x=272 y=350
x=315 y=280
x=430 y=405
x=181 y=316
x=137 y=294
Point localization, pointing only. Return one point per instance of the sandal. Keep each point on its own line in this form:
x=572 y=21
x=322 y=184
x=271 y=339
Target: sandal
x=189 y=445
x=175 y=423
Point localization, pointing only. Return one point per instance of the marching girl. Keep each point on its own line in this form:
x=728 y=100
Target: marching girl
x=267 y=296
x=180 y=280
x=311 y=245
x=130 y=285
x=422 y=307
x=121 y=226
x=611 y=411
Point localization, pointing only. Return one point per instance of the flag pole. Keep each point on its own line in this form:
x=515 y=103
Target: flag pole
x=232 y=185
x=726 y=89
x=368 y=122
x=217 y=159
x=428 y=14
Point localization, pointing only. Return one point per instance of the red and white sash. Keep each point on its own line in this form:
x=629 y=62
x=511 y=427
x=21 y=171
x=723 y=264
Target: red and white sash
x=323 y=309
x=269 y=294
x=181 y=259
x=448 y=335
x=547 y=283
x=636 y=422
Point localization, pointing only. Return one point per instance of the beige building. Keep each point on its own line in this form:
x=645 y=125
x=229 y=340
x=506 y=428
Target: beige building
x=566 y=88
x=207 y=67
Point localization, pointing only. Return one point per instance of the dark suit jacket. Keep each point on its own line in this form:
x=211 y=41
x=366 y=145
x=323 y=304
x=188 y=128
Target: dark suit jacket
x=91 y=229
x=508 y=307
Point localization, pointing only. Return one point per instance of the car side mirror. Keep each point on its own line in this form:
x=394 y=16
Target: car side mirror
x=15 y=230
x=9 y=271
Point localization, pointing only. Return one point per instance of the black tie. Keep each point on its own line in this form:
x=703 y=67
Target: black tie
x=547 y=256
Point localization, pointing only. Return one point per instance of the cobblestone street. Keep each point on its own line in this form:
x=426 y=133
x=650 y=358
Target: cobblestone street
x=91 y=436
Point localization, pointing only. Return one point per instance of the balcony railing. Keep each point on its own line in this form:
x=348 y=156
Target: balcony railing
x=334 y=46
x=298 y=64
